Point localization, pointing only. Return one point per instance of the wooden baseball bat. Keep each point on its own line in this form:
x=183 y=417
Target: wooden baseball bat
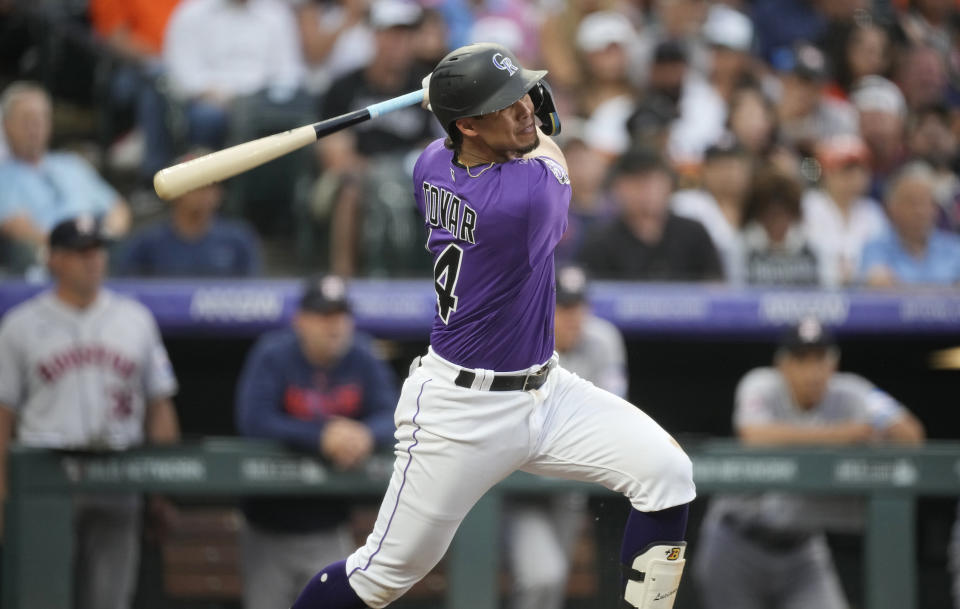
x=177 y=180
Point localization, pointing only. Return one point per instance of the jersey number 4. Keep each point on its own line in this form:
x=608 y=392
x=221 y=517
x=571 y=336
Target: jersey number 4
x=446 y=271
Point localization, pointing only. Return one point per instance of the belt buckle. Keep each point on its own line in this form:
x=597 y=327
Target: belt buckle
x=542 y=372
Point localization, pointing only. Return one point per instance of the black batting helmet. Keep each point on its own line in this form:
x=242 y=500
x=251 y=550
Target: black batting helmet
x=478 y=79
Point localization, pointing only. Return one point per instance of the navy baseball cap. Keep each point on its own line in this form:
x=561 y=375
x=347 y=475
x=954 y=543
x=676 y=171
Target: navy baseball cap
x=80 y=233
x=571 y=286
x=809 y=335
x=325 y=294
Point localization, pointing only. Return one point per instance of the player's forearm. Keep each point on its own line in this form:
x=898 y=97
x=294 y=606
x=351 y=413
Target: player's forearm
x=21 y=228
x=261 y=422
x=118 y=219
x=905 y=430
x=785 y=435
x=162 y=424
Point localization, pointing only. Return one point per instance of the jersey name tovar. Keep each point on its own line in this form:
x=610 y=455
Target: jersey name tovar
x=448 y=211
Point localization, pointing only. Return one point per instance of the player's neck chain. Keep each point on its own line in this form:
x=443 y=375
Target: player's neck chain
x=467 y=167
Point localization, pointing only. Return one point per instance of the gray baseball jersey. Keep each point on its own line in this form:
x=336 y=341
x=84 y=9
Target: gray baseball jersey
x=599 y=356
x=82 y=379
x=763 y=397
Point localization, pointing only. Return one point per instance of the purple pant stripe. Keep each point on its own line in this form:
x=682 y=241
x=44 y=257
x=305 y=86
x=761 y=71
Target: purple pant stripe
x=402 y=483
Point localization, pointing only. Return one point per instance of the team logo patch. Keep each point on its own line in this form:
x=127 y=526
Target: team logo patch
x=673 y=554
x=504 y=63
x=558 y=171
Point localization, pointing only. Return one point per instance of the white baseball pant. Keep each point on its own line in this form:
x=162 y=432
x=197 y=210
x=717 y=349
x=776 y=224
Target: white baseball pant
x=454 y=444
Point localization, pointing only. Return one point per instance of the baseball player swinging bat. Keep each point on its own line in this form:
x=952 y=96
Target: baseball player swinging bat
x=175 y=181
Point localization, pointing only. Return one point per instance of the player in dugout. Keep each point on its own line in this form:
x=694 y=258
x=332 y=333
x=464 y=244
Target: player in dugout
x=82 y=367
x=489 y=397
x=769 y=549
x=317 y=387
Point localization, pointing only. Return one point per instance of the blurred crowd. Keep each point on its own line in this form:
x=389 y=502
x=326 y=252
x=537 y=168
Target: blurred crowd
x=798 y=142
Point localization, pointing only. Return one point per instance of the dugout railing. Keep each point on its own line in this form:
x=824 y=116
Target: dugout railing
x=38 y=538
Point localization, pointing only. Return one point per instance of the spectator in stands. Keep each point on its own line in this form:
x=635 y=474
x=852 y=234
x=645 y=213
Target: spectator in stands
x=193 y=241
x=931 y=140
x=604 y=39
x=658 y=109
x=559 y=56
x=318 y=388
x=839 y=218
x=39 y=188
x=805 y=114
x=678 y=22
x=864 y=51
x=752 y=120
x=229 y=61
x=541 y=531
x=913 y=250
x=387 y=74
x=589 y=204
x=133 y=30
x=927 y=22
x=378 y=230
x=883 y=117
x=730 y=36
x=605 y=97
x=770 y=549
x=780 y=23
x=646 y=241
x=922 y=76
x=336 y=39
x=701 y=111
x=719 y=203
x=84 y=368
x=775 y=246
x=430 y=43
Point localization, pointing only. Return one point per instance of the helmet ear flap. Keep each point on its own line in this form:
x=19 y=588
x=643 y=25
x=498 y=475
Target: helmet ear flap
x=544 y=108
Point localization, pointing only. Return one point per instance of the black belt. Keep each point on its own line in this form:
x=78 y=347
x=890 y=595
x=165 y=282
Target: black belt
x=770 y=539
x=509 y=382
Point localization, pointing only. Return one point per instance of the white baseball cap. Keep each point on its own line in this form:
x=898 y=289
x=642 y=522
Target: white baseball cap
x=877 y=94
x=501 y=30
x=385 y=14
x=599 y=30
x=729 y=28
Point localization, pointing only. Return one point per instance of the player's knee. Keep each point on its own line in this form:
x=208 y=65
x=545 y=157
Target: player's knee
x=669 y=479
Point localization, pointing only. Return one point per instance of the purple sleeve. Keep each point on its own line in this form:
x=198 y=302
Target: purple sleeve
x=548 y=191
x=417 y=184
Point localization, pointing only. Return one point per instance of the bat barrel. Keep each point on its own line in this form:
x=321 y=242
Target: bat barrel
x=178 y=180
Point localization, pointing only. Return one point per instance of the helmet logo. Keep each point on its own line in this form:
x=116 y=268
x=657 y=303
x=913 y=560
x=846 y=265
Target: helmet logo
x=504 y=63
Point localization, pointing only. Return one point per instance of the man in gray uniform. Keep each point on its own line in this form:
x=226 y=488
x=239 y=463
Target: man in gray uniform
x=769 y=550
x=589 y=346
x=84 y=368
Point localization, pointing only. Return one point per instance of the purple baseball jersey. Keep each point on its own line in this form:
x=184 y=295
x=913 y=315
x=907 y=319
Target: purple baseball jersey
x=492 y=233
